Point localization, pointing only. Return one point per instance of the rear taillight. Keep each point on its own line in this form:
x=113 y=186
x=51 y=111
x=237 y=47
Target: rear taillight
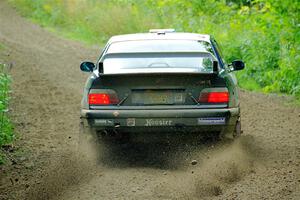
x=214 y=97
x=103 y=99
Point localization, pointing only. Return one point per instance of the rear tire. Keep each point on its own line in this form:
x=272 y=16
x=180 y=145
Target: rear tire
x=88 y=143
x=238 y=129
x=86 y=134
x=232 y=133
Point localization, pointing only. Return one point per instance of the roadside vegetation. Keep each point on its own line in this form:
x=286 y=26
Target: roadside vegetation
x=6 y=130
x=263 y=33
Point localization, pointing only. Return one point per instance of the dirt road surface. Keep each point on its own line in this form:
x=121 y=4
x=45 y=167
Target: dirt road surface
x=46 y=93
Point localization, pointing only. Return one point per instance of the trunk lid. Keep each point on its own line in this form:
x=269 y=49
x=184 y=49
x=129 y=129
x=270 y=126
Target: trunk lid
x=154 y=89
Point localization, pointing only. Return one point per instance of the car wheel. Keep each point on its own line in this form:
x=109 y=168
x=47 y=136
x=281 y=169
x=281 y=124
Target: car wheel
x=86 y=133
x=238 y=129
x=88 y=143
x=233 y=132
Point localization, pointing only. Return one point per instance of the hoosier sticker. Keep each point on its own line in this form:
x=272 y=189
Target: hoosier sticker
x=158 y=122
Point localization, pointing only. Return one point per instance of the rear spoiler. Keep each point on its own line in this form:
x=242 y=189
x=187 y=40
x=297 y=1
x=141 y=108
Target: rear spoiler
x=160 y=74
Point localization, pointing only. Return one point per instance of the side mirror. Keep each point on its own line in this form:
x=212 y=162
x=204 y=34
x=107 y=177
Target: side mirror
x=238 y=65
x=87 y=66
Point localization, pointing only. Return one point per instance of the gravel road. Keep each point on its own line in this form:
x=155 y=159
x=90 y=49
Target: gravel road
x=46 y=92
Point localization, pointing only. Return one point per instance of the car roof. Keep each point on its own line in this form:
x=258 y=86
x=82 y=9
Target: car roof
x=160 y=36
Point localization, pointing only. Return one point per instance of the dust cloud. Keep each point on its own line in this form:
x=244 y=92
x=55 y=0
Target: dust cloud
x=70 y=169
x=228 y=164
x=220 y=164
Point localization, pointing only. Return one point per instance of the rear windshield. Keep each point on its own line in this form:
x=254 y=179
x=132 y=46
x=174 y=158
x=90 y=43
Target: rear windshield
x=158 y=56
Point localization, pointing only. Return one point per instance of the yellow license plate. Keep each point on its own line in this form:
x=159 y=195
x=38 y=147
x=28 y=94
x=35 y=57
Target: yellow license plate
x=158 y=97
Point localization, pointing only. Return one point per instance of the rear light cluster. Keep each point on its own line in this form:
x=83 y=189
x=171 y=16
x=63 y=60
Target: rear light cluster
x=214 y=97
x=103 y=98
x=109 y=97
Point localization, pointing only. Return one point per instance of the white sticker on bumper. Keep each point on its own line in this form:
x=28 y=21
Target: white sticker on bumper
x=103 y=122
x=211 y=121
x=131 y=122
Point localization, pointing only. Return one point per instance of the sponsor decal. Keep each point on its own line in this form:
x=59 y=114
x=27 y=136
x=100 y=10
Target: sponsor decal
x=106 y=122
x=158 y=122
x=116 y=113
x=179 y=98
x=212 y=121
x=131 y=122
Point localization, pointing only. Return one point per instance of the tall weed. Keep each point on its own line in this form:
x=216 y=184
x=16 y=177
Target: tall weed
x=6 y=129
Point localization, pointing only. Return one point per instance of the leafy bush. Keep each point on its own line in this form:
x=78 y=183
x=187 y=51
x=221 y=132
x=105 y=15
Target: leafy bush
x=6 y=133
x=263 y=33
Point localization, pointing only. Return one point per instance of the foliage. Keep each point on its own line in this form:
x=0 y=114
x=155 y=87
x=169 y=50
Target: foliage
x=93 y=21
x=6 y=130
x=263 y=33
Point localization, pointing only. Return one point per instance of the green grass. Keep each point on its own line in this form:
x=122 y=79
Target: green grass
x=263 y=33
x=92 y=22
x=2 y=47
x=248 y=84
x=6 y=128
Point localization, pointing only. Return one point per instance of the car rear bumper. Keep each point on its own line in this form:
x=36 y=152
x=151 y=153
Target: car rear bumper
x=162 y=119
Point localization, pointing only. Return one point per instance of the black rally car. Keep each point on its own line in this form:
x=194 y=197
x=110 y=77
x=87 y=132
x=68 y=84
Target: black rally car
x=161 y=81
